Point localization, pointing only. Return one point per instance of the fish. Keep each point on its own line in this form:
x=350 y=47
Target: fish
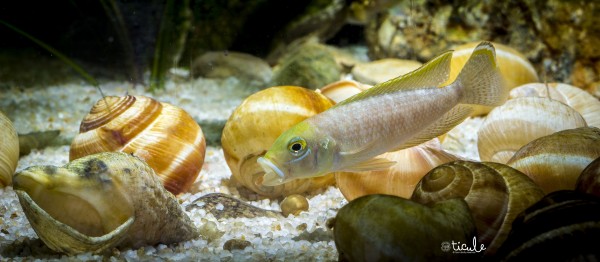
x=397 y=114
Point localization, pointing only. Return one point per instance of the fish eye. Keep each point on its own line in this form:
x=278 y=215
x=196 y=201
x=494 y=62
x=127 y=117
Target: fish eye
x=296 y=146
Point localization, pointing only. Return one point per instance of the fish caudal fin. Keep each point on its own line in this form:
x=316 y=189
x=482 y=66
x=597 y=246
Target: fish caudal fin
x=480 y=78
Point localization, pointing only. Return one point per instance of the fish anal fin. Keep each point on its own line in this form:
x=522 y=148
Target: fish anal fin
x=371 y=164
x=431 y=74
x=448 y=121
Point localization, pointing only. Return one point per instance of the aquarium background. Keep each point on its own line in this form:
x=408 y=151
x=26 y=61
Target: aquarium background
x=58 y=58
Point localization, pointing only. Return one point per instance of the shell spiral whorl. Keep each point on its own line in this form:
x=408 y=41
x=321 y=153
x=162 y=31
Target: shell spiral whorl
x=9 y=151
x=165 y=136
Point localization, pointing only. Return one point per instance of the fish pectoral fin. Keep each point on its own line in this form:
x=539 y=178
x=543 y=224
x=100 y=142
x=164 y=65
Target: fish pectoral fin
x=448 y=121
x=371 y=164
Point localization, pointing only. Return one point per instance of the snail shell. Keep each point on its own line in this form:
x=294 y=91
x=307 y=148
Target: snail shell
x=583 y=102
x=100 y=201
x=518 y=122
x=165 y=136
x=589 y=180
x=555 y=161
x=340 y=90
x=401 y=178
x=9 y=151
x=514 y=67
x=495 y=193
x=391 y=228
x=293 y=204
x=256 y=123
x=563 y=226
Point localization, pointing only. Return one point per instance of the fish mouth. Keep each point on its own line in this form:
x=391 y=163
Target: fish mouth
x=273 y=175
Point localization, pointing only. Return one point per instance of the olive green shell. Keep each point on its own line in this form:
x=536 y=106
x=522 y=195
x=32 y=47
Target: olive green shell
x=589 y=180
x=391 y=228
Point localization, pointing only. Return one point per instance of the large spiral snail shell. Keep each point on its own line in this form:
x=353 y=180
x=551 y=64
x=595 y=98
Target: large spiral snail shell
x=583 y=102
x=401 y=178
x=100 y=201
x=9 y=150
x=555 y=161
x=495 y=193
x=256 y=123
x=520 y=121
x=165 y=136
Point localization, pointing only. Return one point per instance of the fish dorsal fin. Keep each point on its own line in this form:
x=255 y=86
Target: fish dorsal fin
x=431 y=74
x=369 y=165
x=448 y=121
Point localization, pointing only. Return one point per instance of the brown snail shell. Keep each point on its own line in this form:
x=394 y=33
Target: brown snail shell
x=563 y=226
x=583 y=102
x=391 y=228
x=495 y=193
x=256 y=123
x=9 y=151
x=401 y=178
x=100 y=201
x=293 y=204
x=555 y=161
x=518 y=122
x=589 y=180
x=165 y=136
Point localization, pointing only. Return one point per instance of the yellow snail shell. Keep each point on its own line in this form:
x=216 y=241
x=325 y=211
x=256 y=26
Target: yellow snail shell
x=293 y=204
x=401 y=178
x=9 y=151
x=340 y=90
x=100 y=201
x=256 y=123
x=514 y=67
x=583 y=102
x=518 y=122
x=555 y=161
x=382 y=70
x=589 y=180
x=165 y=136
x=495 y=193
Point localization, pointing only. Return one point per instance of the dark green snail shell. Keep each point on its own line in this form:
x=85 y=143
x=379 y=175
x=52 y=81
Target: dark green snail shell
x=391 y=228
x=563 y=226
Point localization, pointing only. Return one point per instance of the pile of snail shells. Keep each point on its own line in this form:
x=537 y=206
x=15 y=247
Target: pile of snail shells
x=555 y=161
x=495 y=194
x=401 y=178
x=589 y=180
x=583 y=102
x=101 y=201
x=165 y=136
x=519 y=121
x=255 y=125
x=390 y=228
x=9 y=151
x=563 y=226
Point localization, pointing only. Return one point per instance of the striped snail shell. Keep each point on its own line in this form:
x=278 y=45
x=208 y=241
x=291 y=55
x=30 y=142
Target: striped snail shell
x=9 y=150
x=165 y=136
x=495 y=193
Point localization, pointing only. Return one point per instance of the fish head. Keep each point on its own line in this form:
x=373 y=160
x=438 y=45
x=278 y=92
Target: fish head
x=297 y=153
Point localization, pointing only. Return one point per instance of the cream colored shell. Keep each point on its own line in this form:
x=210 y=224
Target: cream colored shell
x=9 y=150
x=555 y=161
x=340 y=90
x=256 y=123
x=101 y=201
x=518 y=122
x=401 y=178
x=165 y=136
x=583 y=102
